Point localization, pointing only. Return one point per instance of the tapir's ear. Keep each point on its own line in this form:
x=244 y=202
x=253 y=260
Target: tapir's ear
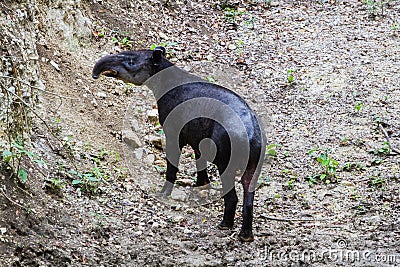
x=158 y=52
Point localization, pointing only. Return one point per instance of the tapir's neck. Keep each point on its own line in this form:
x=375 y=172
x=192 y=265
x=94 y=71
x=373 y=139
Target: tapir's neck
x=169 y=78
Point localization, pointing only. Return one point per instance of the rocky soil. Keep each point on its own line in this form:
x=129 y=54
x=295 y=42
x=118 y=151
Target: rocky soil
x=323 y=76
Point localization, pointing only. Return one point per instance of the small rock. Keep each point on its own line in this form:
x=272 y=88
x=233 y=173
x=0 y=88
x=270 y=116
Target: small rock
x=102 y=94
x=135 y=125
x=149 y=159
x=131 y=139
x=190 y=211
x=55 y=65
x=138 y=233
x=94 y=102
x=178 y=219
x=138 y=153
x=157 y=141
x=155 y=225
x=152 y=115
x=210 y=57
x=289 y=165
x=184 y=182
x=231 y=46
x=203 y=194
x=187 y=231
x=163 y=35
x=178 y=195
x=347 y=183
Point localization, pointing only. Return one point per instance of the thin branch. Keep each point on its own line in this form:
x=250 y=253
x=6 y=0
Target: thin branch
x=397 y=152
x=47 y=126
x=14 y=202
x=38 y=88
x=294 y=219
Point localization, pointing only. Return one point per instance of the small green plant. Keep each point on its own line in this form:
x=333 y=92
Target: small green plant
x=239 y=47
x=89 y=181
x=271 y=150
x=377 y=161
x=383 y=150
x=328 y=164
x=14 y=156
x=98 y=219
x=101 y=32
x=376 y=181
x=231 y=14
x=395 y=26
x=351 y=166
x=344 y=141
x=210 y=79
x=250 y=23
x=375 y=5
x=160 y=169
x=124 y=43
x=54 y=185
x=167 y=45
x=359 y=105
x=290 y=76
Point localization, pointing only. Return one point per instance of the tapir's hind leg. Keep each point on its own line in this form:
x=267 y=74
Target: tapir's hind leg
x=230 y=199
x=230 y=203
x=201 y=165
x=246 y=233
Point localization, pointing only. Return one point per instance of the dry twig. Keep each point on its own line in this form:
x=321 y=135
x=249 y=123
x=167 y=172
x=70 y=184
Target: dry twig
x=397 y=152
x=47 y=126
x=38 y=88
x=294 y=219
x=12 y=201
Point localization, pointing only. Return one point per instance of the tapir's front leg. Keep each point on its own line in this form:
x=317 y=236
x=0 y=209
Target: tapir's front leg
x=173 y=152
x=170 y=180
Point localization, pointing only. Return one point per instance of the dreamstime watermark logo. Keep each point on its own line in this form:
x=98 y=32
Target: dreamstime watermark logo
x=341 y=255
x=186 y=115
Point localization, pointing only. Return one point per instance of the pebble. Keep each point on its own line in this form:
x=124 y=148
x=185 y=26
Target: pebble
x=102 y=94
x=55 y=65
x=138 y=153
x=163 y=35
x=185 y=182
x=152 y=115
x=131 y=139
x=178 y=219
x=149 y=159
x=178 y=195
x=157 y=141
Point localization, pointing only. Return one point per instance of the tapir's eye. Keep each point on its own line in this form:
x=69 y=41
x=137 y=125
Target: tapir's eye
x=131 y=65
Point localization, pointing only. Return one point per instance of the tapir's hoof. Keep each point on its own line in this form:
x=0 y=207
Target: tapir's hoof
x=202 y=187
x=245 y=236
x=225 y=226
x=202 y=183
x=162 y=194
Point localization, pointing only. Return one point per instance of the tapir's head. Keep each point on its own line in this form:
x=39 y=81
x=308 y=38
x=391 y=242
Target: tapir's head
x=132 y=66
